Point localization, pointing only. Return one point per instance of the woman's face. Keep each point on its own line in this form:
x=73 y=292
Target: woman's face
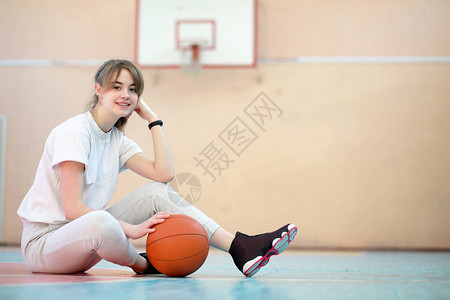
x=120 y=96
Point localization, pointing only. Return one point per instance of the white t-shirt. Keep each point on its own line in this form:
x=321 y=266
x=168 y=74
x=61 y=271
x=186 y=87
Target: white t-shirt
x=77 y=139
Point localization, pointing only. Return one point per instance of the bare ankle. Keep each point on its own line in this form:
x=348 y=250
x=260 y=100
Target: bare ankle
x=222 y=239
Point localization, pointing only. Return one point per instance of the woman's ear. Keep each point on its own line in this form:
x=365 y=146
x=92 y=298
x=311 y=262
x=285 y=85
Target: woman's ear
x=98 y=90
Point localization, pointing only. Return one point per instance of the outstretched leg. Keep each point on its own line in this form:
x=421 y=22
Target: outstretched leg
x=249 y=253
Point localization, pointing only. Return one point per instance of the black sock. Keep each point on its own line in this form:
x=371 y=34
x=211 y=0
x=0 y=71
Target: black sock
x=151 y=269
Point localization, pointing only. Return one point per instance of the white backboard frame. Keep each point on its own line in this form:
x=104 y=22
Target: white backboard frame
x=234 y=32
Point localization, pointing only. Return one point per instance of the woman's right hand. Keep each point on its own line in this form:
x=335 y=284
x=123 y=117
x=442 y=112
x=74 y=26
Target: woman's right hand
x=146 y=227
x=144 y=111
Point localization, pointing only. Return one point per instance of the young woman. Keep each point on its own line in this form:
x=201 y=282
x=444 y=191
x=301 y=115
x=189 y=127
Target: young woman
x=66 y=229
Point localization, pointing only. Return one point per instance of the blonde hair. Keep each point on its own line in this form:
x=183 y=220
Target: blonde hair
x=104 y=76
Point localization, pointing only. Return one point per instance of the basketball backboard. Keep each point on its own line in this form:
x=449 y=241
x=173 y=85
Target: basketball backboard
x=219 y=33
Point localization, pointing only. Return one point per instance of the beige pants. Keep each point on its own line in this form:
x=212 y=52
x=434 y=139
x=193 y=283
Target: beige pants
x=80 y=244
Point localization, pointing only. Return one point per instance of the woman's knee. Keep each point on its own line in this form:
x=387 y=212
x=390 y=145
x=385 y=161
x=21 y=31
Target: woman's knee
x=156 y=190
x=156 y=187
x=103 y=223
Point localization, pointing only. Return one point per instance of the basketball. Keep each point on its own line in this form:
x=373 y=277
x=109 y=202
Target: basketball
x=178 y=247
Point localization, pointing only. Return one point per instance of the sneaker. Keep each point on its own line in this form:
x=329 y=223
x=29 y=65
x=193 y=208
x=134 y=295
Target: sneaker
x=250 y=253
x=151 y=269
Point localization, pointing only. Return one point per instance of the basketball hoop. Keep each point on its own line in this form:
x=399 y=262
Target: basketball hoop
x=192 y=37
x=191 y=60
x=195 y=53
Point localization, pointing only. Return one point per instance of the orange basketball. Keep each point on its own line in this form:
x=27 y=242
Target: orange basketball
x=178 y=247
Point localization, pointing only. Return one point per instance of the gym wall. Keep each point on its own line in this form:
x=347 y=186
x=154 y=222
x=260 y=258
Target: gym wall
x=358 y=157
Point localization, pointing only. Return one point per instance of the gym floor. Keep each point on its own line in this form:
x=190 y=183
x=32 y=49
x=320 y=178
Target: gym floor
x=292 y=275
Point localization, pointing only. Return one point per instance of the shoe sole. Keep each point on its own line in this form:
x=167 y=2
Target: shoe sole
x=278 y=245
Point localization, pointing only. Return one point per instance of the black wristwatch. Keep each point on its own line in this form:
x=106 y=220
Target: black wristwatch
x=157 y=122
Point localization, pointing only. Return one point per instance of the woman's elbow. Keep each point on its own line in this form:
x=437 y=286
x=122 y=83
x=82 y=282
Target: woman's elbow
x=69 y=215
x=72 y=211
x=166 y=177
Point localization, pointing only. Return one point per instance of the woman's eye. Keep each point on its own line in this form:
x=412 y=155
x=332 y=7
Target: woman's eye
x=116 y=87
x=133 y=90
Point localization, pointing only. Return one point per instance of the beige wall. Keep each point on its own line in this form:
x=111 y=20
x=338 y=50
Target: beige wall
x=354 y=27
x=358 y=159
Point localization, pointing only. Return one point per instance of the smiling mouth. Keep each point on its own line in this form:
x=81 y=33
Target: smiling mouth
x=123 y=104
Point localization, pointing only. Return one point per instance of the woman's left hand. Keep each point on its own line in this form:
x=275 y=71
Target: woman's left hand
x=144 y=111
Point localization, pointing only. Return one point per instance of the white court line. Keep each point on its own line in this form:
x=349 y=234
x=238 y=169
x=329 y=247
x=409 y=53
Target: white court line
x=51 y=62
x=116 y=279
x=67 y=282
x=261 y=60
x=262 y=280
x=353 y=59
